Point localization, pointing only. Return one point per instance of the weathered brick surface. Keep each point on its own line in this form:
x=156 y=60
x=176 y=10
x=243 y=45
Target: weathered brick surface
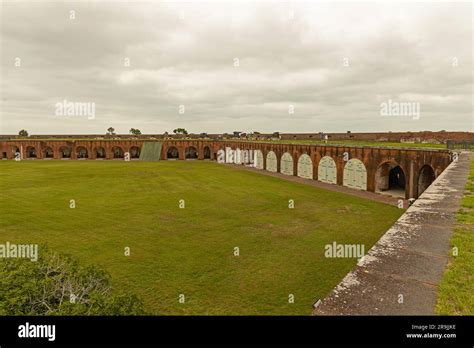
x=410 y=160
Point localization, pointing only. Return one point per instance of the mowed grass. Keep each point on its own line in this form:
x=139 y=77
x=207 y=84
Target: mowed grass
x=456 y=291
x=190 y=251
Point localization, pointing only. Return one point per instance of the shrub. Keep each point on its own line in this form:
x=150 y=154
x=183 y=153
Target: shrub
x=57 y=284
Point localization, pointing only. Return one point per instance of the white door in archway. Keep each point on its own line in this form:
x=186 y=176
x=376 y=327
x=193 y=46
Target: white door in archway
x=286 y=164
x=245 y=156
x=305 y=167
x=258 y=159
x=327 y=171
x=271 y=162
x=355 y=175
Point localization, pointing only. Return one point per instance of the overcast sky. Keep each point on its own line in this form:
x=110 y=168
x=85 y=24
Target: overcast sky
x=235 y=66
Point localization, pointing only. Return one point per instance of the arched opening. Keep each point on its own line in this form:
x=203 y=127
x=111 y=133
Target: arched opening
x=305 y=167
x=425 y=178
x=81 y=152
x=258 y=159
x=30 y=152
x=191 y=153
x=207 y=152
x=327 y=170
x=272 y=162
x=355 y=174
x=117 y=152
x=48 y=153
x=99 y=152
x=134 y=152
x=286 y=164
x=172 y=153
x=65 y=152
x=390 y=179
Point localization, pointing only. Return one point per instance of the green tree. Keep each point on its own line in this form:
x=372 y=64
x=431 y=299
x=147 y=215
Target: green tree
x=180 y=131
x=111 y=131
x=56 y=284
x=23 y=133
x=134 y=131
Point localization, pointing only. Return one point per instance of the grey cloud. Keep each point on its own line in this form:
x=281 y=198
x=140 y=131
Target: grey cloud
x=183 y=53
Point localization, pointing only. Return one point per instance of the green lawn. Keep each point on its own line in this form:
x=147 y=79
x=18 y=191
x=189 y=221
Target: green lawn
x=190 y=251
x=456 y=292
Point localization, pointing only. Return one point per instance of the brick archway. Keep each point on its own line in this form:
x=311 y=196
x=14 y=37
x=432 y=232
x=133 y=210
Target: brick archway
x=207 y=152
x=65 y=152
x=190 y=153
x=31 y=152
x=81 y=152
x=172 y=153
x=425 y=177
x=99 y=152
x=390 y=177
x=134 y=152
x=48 y=153
x=117 y=152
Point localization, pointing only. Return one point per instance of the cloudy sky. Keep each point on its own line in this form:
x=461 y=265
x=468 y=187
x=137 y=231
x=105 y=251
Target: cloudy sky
x=249 y=66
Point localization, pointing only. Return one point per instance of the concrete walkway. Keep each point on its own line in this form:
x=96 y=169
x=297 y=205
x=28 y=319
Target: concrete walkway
x=400 y=274
x=337 y=188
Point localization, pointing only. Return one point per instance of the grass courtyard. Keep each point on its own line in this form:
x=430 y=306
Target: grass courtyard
x=190 y=250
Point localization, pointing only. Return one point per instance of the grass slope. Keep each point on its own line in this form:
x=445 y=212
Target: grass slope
x=456 y=291
x=190 y=251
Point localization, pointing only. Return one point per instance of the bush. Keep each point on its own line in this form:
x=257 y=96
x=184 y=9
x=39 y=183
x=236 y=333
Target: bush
x=57 y=285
